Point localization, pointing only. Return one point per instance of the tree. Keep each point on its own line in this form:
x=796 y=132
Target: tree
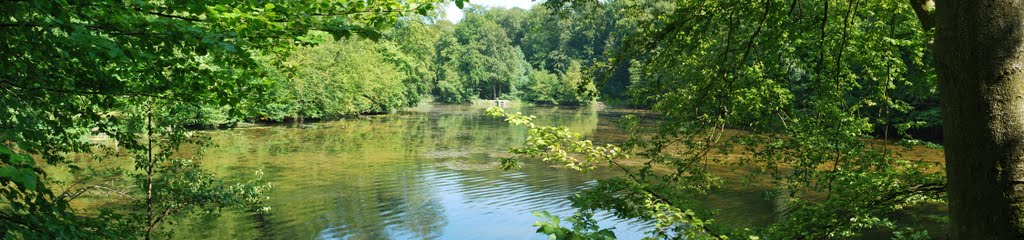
x=483 y=56
x=478 y=61
x=587 y=33
x=577 y=89
x=417 y=39
x=132 y=70
x=799 y=83
x=513 y=20
x=978 y=54
x=542 y=87
x=977 y=59
x=347 y=77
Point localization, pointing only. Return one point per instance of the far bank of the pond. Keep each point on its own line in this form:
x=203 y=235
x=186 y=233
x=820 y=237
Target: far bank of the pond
x=221 y=122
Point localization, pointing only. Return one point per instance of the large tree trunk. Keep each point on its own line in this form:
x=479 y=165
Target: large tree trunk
x=978 y=49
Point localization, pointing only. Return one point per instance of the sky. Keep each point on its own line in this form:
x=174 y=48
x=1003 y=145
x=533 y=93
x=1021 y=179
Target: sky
x=454 y=14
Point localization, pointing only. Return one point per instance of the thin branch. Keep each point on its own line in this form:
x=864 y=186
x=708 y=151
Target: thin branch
x=27 y=225
x=152 y=225
x=79 y=92
x=190 y=19
x=71 y=196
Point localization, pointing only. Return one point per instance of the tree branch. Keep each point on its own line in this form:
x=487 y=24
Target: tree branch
x=74 y=92
x=153 y=224
x=925 y=10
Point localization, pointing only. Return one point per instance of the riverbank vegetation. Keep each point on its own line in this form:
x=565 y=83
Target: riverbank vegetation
x=492 y=54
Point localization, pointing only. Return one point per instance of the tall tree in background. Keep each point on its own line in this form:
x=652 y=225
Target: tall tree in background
x=511 y=54
x=979 y=47
x=478 y=60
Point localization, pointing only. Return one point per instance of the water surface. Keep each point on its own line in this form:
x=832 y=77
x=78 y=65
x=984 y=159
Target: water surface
x=432 y=173
x=428 y=173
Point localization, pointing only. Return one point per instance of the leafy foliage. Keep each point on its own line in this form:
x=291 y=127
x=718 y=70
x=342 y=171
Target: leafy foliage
x=800 y=85
x=494 y=53
x=583 y=227
x=556 y=144
x=138 y=72
x=343 y=77
x=478 y=61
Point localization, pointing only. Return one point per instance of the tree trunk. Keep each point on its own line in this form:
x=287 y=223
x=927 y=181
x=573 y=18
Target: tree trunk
x=978 y=49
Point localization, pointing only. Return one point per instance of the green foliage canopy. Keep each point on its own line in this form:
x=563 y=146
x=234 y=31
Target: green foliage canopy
x=344 y=77
x=478 y=60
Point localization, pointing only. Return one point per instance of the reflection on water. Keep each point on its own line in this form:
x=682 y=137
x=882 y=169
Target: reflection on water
x=430 y=173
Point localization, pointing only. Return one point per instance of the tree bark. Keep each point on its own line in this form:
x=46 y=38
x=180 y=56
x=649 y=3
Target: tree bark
x=978 y=49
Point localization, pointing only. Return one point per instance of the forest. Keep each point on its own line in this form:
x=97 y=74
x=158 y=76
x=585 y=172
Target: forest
x=493 y=54
x=820 y=104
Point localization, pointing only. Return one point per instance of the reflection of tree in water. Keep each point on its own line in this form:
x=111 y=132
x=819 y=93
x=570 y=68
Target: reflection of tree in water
x=581 y=120
x=460 y=128
x=385 y=204
x=350 y=177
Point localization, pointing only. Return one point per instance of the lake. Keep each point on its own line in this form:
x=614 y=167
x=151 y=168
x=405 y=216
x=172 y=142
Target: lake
x=425 y=173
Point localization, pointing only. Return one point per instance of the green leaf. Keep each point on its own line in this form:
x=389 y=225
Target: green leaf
x=24 y=177
x=370 y=34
